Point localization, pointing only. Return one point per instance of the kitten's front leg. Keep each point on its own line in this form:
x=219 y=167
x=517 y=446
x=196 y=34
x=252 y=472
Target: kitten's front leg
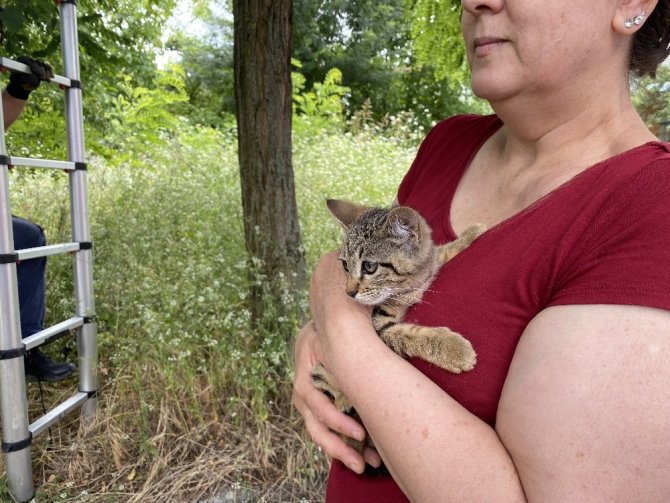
x=438 y=345
x=450 y=250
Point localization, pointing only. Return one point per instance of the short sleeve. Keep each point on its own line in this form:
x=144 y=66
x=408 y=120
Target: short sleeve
x=624 y=256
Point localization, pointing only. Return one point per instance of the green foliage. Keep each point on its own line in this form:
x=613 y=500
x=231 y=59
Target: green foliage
x=207 y=60
x=323 y=105
x=371 y=43
x=650 y=97
x=439 y=49
x=436 y=30
x=140 y=116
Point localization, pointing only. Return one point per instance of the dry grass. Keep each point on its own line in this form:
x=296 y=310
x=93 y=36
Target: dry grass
x=171 y=454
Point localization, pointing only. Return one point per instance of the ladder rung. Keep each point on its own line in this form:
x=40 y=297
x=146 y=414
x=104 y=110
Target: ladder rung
x=41 y=163
x=45 y=251
x=51 y=333
x=20 y=67
x=58 y=413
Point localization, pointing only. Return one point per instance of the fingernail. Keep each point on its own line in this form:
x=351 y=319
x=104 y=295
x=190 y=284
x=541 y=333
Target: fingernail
x=358 y=435
x=354 y=467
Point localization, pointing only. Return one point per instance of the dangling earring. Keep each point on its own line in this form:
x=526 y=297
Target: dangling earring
x=637 y=21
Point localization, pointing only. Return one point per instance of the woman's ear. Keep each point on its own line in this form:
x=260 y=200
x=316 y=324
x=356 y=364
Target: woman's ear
x=630 y=15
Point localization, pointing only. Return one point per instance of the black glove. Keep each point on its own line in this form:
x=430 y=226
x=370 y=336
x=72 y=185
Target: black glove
x=22 y=84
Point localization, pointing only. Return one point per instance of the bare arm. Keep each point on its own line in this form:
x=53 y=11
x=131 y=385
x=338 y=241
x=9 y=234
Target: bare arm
x=583 y=416
x=586 y=405
x=11 y=108
x=15 y=95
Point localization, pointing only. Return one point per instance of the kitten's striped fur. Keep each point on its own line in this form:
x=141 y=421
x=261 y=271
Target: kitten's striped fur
x=390 y=261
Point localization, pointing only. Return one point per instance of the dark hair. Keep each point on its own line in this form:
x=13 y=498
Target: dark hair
x=650 y=43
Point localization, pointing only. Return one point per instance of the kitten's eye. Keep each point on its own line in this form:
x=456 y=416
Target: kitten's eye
x=369 y=267
x=344 y=265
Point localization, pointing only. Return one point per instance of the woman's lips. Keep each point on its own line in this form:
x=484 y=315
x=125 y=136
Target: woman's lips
x=486 y=45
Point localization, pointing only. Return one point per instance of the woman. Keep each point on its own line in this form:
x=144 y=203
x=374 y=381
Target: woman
x=565 y=298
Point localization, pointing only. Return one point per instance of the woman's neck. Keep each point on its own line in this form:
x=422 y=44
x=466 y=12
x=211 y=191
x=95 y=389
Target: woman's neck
x=546 y=134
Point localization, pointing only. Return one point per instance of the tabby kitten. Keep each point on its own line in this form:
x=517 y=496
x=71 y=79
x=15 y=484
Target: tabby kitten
x=390 y=260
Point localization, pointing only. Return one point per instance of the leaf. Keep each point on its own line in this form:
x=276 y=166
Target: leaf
x=13 y=18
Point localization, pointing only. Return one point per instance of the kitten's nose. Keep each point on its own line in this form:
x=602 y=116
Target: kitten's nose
x=351 y=292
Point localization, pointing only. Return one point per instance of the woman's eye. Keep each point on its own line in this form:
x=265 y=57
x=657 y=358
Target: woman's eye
x=369 y=267
x=344 y=265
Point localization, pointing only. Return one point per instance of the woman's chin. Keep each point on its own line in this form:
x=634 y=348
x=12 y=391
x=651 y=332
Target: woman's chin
x=491 y=88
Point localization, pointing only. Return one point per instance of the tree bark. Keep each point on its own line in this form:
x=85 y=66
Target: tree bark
x=262 y=61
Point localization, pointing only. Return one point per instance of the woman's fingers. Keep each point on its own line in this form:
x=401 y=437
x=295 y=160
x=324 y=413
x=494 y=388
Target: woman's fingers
x=372 y=457
x=322 y=419
x=332 y=444
x=323 y=410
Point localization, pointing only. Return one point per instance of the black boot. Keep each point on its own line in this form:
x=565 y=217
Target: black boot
x=41 y=368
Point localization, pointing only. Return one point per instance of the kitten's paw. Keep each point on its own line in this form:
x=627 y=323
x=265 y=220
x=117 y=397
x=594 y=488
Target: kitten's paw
x=472 y=233
x=343 y=404
x=452 y=352
x=325 y=382
x=356 y=445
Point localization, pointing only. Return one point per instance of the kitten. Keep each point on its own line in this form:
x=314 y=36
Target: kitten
x=390 y=260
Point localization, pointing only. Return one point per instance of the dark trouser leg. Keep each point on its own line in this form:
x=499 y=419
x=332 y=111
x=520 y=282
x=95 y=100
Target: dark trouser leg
x=31 y=276
x=32 y=293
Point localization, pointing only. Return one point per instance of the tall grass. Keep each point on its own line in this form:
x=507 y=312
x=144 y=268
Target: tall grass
x=192 y=401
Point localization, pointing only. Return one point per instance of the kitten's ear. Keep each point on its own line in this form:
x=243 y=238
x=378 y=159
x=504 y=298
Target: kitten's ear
x=344 y=211
x=404 y=223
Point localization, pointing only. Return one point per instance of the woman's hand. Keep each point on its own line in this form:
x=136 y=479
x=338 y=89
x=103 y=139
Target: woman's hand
x=321 y=417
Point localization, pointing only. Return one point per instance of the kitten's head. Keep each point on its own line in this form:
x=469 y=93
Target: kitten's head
x=383 y=250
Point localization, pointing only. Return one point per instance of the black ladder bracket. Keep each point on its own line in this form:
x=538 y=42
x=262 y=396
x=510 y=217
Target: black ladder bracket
x=17 y=446
x=9 y=258
x=9 y=354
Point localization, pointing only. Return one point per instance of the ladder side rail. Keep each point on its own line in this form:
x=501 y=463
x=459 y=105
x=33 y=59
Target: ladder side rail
x=16 y=436
x=83 y=259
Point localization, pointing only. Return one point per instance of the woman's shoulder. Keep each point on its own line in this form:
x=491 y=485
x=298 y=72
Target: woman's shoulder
x=642 y=174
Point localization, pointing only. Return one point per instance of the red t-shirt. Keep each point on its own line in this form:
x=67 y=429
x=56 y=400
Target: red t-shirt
x=601 y=238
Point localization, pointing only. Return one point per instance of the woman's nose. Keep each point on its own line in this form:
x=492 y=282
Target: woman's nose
x=479 y=7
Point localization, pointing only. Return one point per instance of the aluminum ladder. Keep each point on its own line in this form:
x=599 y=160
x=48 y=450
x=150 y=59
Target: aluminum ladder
x=17 y=433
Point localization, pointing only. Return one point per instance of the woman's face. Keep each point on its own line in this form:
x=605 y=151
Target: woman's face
x=538 y=46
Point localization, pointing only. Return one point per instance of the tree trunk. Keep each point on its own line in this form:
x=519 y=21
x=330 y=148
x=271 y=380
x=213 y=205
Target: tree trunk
x=264 y=106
